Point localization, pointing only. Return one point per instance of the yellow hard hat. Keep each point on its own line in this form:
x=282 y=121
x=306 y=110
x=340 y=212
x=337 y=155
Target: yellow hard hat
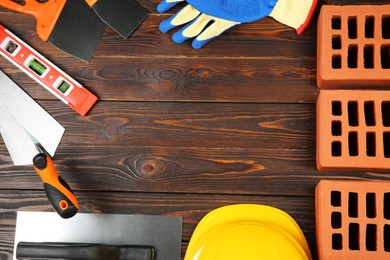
x=247 y=232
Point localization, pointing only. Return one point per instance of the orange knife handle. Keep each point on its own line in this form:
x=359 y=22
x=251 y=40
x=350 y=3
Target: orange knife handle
x=57 y=190
x=46 y=14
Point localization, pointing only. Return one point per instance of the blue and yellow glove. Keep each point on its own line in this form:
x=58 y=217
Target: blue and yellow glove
x=207 y=19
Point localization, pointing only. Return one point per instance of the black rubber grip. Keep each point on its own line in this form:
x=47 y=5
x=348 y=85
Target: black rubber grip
x=84 y=251
x=55 y=197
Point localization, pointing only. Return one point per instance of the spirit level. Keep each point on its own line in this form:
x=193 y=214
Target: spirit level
x=45 y=73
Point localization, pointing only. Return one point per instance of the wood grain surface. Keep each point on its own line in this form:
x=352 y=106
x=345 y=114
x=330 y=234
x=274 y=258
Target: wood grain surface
x=178 y=131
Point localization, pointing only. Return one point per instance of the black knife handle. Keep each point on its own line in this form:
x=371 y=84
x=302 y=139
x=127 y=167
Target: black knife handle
x=83 y=251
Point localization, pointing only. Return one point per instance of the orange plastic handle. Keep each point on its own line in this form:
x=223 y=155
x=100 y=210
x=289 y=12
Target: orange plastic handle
x=57 y=190
x=46 y=14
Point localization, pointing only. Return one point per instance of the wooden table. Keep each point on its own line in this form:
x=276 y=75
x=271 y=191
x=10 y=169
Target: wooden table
x=178 y=131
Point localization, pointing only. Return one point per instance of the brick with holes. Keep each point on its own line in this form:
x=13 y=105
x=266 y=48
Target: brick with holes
x=353 y=130
x=353 y=219
x=353 y=47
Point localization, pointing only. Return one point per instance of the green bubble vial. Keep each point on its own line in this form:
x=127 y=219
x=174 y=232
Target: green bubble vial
x=37 y=67
x=64 y=86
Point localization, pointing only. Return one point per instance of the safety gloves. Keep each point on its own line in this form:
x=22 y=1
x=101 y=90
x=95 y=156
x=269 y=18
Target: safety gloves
x=206 y=19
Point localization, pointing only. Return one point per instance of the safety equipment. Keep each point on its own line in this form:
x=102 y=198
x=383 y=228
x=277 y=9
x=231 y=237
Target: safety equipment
x=207 y=19
x=247 y=231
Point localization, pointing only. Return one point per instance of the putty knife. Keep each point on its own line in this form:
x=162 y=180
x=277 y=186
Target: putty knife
x=25 y=127
x=124 y=16
x=20 y=114
x=70 y=25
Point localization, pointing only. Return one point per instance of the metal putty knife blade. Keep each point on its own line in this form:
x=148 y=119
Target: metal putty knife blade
x=20 y=117
x=124 y=16
x=77 y=30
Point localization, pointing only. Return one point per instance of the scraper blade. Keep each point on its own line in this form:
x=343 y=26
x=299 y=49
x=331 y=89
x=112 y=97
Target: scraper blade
x=21 y=117
x=124 y=16
x=77 y=30
x=19 y=144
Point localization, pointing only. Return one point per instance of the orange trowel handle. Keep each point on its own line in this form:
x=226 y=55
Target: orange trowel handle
x=46 y=14
x=57 y=190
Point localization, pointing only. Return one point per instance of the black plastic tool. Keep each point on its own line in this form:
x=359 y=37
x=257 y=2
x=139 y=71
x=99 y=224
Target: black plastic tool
x=83 y=251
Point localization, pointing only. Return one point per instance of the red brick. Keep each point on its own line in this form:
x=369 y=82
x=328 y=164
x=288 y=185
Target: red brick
x=353 y=46
x=353 y=130
x=353 y=219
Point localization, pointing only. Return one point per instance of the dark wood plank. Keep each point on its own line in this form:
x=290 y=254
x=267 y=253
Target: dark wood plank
x=209 y=80
x=214 y=125
x=225 y=148
x=191 y=206
x=182 y=170
x=263 y=38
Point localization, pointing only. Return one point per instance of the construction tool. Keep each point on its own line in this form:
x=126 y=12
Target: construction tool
x=28 y=131
x=134 y=232
x=70 y=25
x=45 y=73
x=124 y=16
x=57 y=190
x=85 y=251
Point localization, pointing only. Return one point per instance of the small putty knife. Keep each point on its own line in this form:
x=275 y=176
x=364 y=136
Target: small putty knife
x=124 y=16
x=25 y=127
x=21 y=114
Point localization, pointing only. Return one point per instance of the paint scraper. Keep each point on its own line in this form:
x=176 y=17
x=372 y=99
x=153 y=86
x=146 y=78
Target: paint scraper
x=70 y=25
x=31 y=136
x=124 y=16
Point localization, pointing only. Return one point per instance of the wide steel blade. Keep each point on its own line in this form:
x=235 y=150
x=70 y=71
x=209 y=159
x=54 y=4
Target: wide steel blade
x=78 y=30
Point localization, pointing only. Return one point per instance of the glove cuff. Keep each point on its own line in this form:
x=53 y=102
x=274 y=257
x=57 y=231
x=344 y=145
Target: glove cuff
x=294 y=13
